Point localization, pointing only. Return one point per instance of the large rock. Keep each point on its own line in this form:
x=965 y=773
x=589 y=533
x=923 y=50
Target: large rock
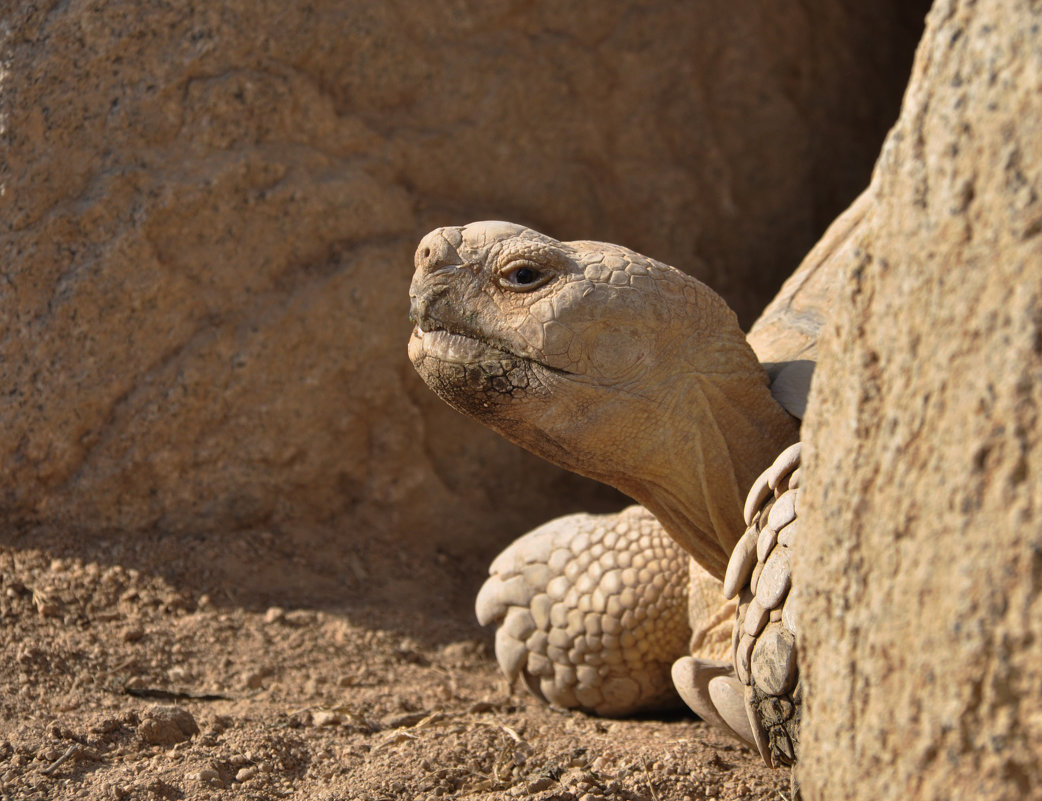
x=921 y=574
x=209 y=210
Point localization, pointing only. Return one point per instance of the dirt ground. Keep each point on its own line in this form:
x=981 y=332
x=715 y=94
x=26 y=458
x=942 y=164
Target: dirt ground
x=265 y=665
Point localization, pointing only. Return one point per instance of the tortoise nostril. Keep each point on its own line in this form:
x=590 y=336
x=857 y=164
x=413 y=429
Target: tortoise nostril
x=434 y=253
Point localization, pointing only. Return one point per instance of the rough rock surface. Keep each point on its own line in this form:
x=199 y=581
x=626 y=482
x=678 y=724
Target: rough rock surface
x=920 y=576
x=208 y=212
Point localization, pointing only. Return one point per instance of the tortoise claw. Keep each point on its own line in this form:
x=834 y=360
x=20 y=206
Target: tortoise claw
x=714 y=694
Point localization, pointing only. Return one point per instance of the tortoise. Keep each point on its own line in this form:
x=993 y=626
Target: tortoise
x=631 y=372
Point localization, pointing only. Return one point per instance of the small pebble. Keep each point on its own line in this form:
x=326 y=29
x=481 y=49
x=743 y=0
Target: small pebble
x=46 y=607
x=301 y=617
x=254 y=680
x=247 y=773
x=324 y=717
x=167 y=725
x=207 y=776
x=178 y=674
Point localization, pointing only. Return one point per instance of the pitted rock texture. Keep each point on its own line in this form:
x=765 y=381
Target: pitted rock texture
x=920 y=561
x=209 y=210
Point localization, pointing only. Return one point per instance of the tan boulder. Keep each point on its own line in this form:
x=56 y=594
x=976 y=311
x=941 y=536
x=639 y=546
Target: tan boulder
x=209 y=211
x=920 y=572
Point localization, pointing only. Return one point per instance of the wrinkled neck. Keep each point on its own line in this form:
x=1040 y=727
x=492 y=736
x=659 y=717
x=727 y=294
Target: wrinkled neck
x=718 y=433
x=687 y=446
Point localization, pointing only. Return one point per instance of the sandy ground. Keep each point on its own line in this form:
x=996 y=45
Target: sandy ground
x=260 y=665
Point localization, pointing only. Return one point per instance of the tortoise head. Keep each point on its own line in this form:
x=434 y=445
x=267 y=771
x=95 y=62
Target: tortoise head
x=565 y=347
x=591 y=355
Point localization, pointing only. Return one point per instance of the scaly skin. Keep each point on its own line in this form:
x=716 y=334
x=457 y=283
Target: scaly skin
x=592 y=611
x=603 y=361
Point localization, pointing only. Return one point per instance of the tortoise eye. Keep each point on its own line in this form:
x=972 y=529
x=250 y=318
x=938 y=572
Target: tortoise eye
x=523 y=276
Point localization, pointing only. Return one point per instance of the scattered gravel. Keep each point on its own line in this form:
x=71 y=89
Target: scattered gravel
x=124 y=682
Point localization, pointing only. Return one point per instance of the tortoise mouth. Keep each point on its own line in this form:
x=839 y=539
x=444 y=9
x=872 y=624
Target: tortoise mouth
x=454 y=348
